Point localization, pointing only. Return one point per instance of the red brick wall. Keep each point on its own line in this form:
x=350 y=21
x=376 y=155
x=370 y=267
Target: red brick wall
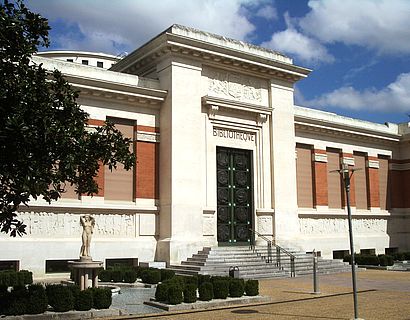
x=373 y=185
x=320 y=193
x=352 y=185
x=147 y=170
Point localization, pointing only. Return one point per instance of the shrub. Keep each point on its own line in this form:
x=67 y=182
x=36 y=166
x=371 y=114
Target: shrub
x=60 y=297
x=216 y=278
x=386 y=260
x=175 y=294
x=27 y=276
x=161 y=292
x=151 y=276
x=236 y=287
x=117 y=275
x=102 y=298
x=130 y=276
x=190 y=293
x=105 y=275
x=252 y=287
x=12 y=278
x=166 y=274
x=191 y=280
x=140 y=271
x=203 y=278
x=37 y=299
x=367 y=260
x=17 y=302
x=84 y=301
x=220 y=288
x=4 y=297
x=206 y=291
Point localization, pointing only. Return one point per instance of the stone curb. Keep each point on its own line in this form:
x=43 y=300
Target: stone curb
x=69 y=315
x=215 y=303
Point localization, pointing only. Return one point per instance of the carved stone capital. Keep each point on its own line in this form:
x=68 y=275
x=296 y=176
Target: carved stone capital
x=212 y=110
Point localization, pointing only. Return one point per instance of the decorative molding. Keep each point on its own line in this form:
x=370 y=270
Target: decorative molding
x=373 y=164
x=347 y=160
x=232 y=105
x=319 y=157
x=147 y=136
x=261 y=118
x=212 y=110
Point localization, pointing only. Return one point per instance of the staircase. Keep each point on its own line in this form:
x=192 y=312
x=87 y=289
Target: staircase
x=252 y=263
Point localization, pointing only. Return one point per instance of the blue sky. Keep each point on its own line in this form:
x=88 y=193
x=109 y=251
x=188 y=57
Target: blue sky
x=359 y=51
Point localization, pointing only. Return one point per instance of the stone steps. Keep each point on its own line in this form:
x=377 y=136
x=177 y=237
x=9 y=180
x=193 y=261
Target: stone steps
x=252 y=264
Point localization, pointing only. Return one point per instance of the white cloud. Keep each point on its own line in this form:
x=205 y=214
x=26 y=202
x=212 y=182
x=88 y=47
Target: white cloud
x=299 y=46
x=131 y=23
x=382 y=25
x=393 y=98
x=267 y=12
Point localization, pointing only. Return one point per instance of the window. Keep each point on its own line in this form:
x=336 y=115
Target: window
x=121 y=262
x=70 y=60
x=340 y=254
x=57 y=266
x=84 y=62
x=100 y=64
x=304 y=176
x=391 y=251
x=360 y=180
x=9 y=265
x=371 y=252
x=334 y=183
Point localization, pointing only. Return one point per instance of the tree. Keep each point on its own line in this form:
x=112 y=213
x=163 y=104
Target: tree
x=45 y=142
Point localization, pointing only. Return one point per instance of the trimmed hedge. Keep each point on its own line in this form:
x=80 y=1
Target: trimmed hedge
x=252 y=287
x=203 y=278
x=60 y=297
x=236 y=288
x=84 y=300
x=221 y=288
x=166 y=274
x=151 y=276
x=401 y=256
x=102 y=298
x=191 y=280
x=190 y=293
x=15 y=278
x=37 y=299
x=161 y=292
x=127 y=275
x=206 y=291
x=370 y=260
x=175 y=294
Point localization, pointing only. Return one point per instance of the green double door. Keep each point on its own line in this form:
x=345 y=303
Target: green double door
x=234 y=196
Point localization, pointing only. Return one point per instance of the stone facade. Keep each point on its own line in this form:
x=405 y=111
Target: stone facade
x=185 y=96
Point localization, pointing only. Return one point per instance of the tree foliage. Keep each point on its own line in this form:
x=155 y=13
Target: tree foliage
x=45 y=142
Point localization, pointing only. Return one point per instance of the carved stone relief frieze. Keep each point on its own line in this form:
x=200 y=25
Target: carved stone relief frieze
x=208 y=227
x=265 y=226
x=236 y=86
x=310 y=226
x=51 y=225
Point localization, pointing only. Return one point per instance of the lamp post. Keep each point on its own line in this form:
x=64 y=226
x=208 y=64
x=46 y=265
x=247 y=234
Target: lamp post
x=346 y=174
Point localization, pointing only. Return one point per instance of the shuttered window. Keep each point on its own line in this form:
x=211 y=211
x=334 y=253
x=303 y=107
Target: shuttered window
x=119 y=184
x=333 y=179
x=304 y=176
x=360 y=181
x=383 y=182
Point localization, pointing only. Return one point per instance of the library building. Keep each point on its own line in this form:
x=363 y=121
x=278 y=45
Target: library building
x=224 y=159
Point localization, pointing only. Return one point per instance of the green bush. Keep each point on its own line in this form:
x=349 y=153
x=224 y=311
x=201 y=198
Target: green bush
x=252 y=287
x=363 y=259
x=161 y=292
x=236 y=287
x=60 y=298
x=401 y=256
x=203 y=278
x=37 y=299
x=191 y=280
x=130 y=276
x=190 y=293
x=84 y=301
x=220 y=288
x=105 y=275
x=385 y=260
x=140 y=270
x=175 y=294
x=102 y=298
x=17 y=301
x=216 y=278
x=166 y=274
x=4 y=298
x=117 y=275
x=151 y=276
x=206 y=291
x=12 y=278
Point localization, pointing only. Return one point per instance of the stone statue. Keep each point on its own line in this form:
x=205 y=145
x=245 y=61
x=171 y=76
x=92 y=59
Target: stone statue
x=88 y=223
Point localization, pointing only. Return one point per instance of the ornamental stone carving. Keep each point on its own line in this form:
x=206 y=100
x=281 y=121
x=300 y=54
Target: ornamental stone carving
x=236 y=86
x=311 y=226
x=265 y=225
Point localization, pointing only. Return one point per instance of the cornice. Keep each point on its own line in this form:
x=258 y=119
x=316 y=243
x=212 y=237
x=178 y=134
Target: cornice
x=168 y=44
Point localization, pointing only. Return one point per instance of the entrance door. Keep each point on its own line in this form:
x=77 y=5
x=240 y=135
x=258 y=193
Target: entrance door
x=234 y=195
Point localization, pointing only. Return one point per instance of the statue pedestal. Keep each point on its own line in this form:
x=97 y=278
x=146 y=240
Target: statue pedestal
x=86 y=272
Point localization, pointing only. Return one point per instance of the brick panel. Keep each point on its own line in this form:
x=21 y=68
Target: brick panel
x=320 y=181
x=373 y=189
x=147 y=170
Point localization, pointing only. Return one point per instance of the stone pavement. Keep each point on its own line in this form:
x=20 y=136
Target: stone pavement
x=382 y=295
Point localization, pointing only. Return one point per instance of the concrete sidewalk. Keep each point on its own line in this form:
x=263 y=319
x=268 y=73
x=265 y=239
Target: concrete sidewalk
x=382 y=295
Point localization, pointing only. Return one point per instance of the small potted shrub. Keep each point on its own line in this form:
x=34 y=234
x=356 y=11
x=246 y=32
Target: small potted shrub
x=206 y=291
x=252 y=287
x=221 y=288
x=84 y=301
x=236 y=288
x=102 y=298
x=37 y=299
x=190 y=293
x=175 y=294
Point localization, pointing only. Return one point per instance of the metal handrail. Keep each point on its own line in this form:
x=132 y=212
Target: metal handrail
x=279 y=249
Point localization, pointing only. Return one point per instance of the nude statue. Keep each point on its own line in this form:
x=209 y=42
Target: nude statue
x=88 y=223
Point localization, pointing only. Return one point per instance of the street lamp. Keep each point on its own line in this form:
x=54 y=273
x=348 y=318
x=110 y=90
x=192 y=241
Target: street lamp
x=346 y=174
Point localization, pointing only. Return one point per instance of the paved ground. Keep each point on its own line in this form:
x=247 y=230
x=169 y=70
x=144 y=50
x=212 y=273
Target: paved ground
x=382 y=295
